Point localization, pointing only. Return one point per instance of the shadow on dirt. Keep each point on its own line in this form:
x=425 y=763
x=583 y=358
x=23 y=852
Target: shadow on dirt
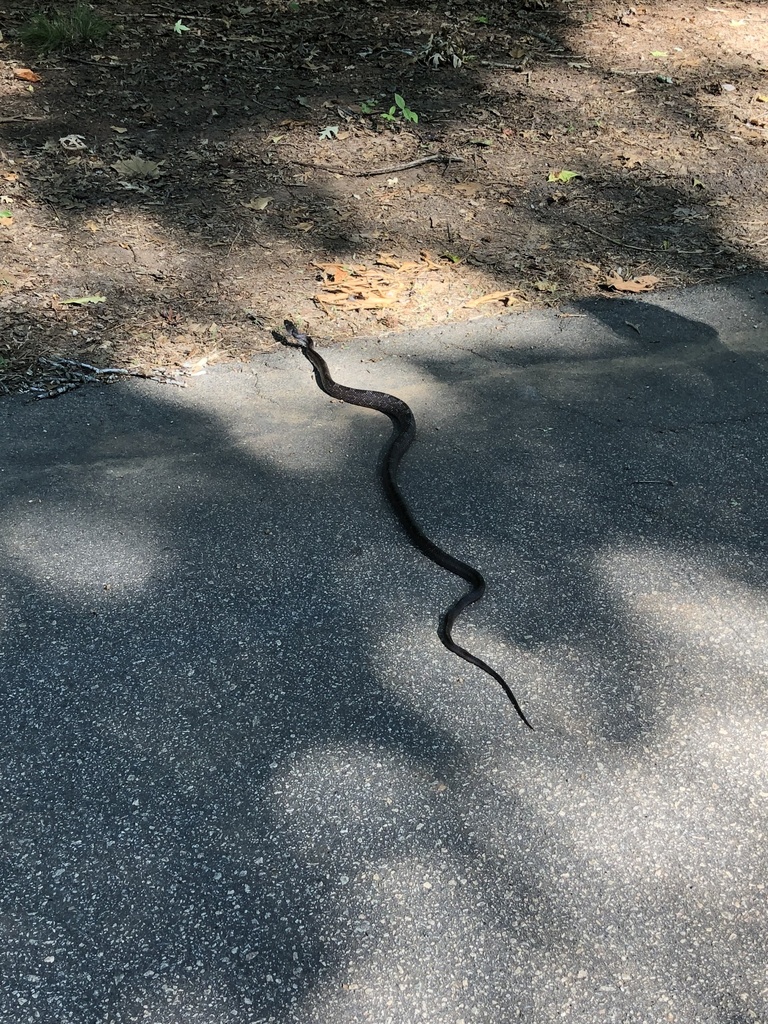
x=237 y=214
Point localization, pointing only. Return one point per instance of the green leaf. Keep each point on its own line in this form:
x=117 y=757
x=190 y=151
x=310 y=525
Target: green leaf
x=6 y=213
x=180 y=27
x=564 y=176
x=399 y=101
x=481 y=19
x=81 y=300
x=659 y=53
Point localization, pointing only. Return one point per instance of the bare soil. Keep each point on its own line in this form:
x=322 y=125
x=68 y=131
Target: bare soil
x=237 y=170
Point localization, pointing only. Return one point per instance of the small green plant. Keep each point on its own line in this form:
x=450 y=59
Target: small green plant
x=68 y=30
x=367 y=106
x=400 y=110
x=180 y=28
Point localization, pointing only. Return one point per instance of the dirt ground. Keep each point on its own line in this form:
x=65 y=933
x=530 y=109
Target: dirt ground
x=211 y=169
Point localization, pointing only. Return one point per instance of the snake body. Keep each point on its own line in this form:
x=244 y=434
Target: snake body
x=402 y=436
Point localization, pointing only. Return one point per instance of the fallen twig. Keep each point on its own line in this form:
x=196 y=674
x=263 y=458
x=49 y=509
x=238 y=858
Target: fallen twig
x=435 y=158
x=639 y=248
x=67 y=374
x=519 y=67
x=540 y=35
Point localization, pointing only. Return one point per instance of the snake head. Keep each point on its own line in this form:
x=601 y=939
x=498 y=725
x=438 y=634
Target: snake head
x=298 y=336
x=293 y=337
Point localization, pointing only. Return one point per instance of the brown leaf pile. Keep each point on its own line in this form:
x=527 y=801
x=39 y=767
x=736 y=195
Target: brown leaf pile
x=357 y=286
x=615 y=282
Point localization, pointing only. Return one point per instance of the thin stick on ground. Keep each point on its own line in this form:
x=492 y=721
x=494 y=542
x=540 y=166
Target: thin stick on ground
x=435 y=158
x=641 y=248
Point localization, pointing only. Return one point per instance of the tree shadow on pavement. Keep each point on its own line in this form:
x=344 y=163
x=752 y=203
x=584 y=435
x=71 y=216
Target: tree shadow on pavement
x=227 y=795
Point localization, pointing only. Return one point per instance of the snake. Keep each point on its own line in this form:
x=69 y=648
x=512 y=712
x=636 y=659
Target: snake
x=403 y=434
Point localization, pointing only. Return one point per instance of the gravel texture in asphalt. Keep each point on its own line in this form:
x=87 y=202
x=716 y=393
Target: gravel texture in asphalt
x=241 y=779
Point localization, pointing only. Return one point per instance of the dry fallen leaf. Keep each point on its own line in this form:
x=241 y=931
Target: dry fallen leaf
x=389 y=259
x=333 y=272
x=196 y=367
x=260 y=203
x=506 y=297
x=359 y=298
x=615 y=282
x=358 y=286
x=429 y=263
x=587 y=266
x=630 y=158
x=83 y=300
x=137 y=167
x=73 y=143
x=26 y=75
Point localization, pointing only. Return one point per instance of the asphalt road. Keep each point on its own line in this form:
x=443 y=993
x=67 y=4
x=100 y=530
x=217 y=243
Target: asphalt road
x=241 y=779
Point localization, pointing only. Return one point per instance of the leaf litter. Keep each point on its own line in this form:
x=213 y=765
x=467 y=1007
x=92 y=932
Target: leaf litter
x=149 y=202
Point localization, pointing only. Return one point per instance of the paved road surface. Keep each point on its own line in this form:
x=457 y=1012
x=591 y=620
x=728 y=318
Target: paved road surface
x=242 y=781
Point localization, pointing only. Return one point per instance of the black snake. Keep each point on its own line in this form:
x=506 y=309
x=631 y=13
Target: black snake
x=403 y=434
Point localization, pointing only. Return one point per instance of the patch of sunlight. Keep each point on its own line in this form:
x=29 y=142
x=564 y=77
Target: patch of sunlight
x=288 y=422
x=451 y=694
x=415 y=967
x=665 y=813
x=715 y=624
x=164 y=997
x=78 y=551
x=351 y=797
